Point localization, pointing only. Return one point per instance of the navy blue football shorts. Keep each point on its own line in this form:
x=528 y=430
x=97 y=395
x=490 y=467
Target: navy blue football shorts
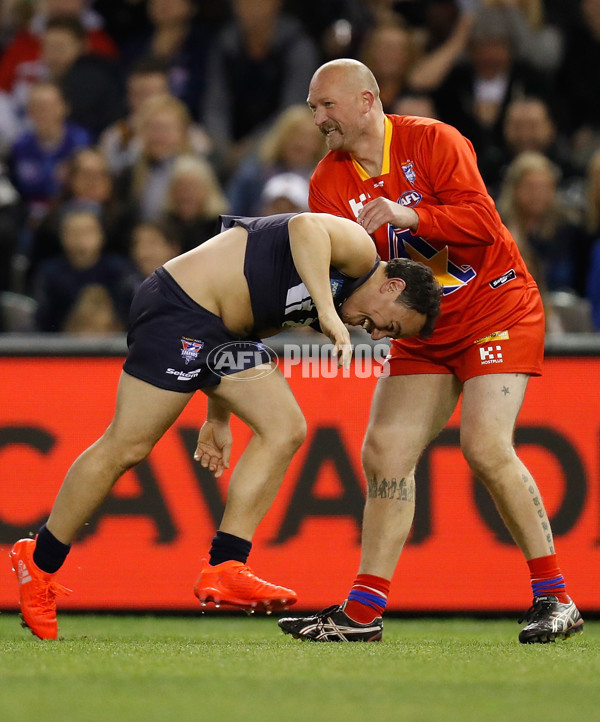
x=178 y=345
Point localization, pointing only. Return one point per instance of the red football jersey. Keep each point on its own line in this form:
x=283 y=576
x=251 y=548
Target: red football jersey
x=432 y=168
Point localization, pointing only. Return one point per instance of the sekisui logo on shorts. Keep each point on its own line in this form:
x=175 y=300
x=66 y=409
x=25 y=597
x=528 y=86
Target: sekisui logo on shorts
x=235 y=356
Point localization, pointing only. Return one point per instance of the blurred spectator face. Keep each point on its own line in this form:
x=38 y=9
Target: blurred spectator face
x=150 y=248
x=165 y=12
x=93 y=313
x=142 y=86
x=303 y=143
x=188 y=195
x=47 y=110
x=74 y=8
x=163 y=134
x=591 y=13
x=256 y=13
x=535 y=192
x=420 y=106
x=491 y=57
x=82 y=239
x=60 y=49
x=528 y=126
x=388 y=52
x=90 y=179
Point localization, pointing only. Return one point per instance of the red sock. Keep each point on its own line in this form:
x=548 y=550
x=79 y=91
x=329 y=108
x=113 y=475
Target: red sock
x=367 y=598
x=547 y=578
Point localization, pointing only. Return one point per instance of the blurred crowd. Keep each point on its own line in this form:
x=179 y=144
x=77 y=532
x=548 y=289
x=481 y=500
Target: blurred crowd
x=127 y=128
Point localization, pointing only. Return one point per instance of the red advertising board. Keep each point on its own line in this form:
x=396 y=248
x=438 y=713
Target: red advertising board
x=142 y=550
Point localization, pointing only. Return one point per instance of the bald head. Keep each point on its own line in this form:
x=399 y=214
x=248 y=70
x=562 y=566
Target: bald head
x=344 y=99
x=349 y=74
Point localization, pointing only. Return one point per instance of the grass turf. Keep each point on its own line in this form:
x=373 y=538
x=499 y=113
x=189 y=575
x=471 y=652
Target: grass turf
x=232 y=669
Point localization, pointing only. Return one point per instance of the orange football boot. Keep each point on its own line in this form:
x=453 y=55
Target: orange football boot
x=37 y=591
x=233 y=583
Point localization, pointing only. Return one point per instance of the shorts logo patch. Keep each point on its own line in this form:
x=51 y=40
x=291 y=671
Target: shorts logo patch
x=491 y=355
x=504 y=278
x=190 y=348
x=494 y=336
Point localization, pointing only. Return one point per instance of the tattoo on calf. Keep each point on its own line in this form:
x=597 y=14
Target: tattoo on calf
x=541 y=511
x=402 y=490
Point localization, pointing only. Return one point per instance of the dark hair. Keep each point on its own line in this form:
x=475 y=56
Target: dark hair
x=423 y=293
x=70 y=24
x=150 y=65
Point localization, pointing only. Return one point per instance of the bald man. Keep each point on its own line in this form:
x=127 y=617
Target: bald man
x=413 y=185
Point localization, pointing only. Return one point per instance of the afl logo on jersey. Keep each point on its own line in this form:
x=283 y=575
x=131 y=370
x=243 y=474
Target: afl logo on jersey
x=409 y=198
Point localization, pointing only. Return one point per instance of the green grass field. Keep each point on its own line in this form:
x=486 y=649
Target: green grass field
x=230 y=669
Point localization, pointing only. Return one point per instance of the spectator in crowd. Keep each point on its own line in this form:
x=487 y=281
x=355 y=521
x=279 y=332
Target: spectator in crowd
x=579 y=82
x=546 y=231
x=9 y=229
x=292 y=145
x=592 y=228
x=121 y=142
x=389 y=51
x=152 y=245
x=87 y=184
x=60 y=281
x=21 y=61
x=474 y=95
x=93 y=314
x=180 y=42
x=195 y=200
x=285 y=193
x=9 y=124
x=442 y=46
x=528 y=126
x=537 y=41
x=36 y=160
x=164 y=127
x=420 y=105
x=261 y=63
x=90 y=83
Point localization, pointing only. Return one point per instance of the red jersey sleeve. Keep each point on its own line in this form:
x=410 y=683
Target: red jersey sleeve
x=467 y=214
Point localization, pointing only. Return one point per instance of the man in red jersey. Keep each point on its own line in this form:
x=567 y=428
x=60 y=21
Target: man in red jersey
x=413 y=184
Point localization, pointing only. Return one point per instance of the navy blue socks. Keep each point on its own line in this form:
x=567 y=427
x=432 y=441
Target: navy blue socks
x=49 y=553
x=226 y=547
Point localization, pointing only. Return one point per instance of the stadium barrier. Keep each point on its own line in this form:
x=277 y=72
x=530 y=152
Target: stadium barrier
x=142 y=550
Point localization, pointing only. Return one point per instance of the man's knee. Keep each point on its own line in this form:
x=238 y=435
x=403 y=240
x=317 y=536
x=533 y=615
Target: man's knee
x=125 y=453
x=288 y=432
x=486 y=455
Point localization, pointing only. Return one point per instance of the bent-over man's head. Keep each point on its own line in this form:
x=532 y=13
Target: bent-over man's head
x=401 y=299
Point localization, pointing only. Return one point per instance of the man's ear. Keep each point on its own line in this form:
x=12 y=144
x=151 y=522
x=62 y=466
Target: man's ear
x=393 y=285
x=368 y=99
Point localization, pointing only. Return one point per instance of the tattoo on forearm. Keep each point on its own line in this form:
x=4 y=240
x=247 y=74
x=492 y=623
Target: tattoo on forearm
x=402 y=490
x=505 y=390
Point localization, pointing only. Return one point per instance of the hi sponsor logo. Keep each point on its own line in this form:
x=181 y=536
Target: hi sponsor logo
x=491 y=354
x=490 y=351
